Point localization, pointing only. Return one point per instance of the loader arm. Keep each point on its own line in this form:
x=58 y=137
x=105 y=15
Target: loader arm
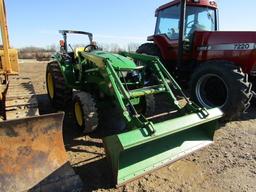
x=149 y=144
x=9 y=57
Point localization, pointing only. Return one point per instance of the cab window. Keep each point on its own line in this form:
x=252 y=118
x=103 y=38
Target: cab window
x=168 y=22
x=199 y=19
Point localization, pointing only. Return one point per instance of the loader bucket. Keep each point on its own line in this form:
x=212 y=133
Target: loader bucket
x=135 y=153
x=32 y=150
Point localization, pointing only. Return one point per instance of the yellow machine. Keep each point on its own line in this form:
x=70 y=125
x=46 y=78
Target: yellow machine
x=32 y=152
x=9 y=57
x=17 y=98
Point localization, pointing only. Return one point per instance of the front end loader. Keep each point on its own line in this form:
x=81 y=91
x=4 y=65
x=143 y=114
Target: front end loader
x=144 y=140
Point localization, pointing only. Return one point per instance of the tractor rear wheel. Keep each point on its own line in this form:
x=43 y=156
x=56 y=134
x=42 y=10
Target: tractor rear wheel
x=221 y=84
x=58 y=92
x=85 y=112
x=149 y=49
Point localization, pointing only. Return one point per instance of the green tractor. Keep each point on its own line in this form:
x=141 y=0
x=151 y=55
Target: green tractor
x=96 y=80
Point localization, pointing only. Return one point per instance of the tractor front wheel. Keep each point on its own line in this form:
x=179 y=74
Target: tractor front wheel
x=58 y=92
x=221 y=84
x=146 y=106
x=85 y=112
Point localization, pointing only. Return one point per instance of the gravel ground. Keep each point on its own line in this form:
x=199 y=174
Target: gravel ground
x=227 y=165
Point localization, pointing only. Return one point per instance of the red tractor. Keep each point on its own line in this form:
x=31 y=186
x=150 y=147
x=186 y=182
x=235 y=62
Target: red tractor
x=218 y=67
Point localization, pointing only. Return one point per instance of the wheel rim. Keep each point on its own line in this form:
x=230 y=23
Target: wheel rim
x=212 y=91
x=78 y=114
x=50 y=85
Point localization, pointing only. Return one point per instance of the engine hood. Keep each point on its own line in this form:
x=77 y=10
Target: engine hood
x=237 y=47
x=224 y=37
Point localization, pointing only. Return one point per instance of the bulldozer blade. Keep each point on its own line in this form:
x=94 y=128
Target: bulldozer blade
x=135 y=153
x=33 y=157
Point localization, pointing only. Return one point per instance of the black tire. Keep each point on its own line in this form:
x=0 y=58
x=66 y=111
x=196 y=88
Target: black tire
x=2 y=110
x=89 y=113
x=253 y=81
x=62 y=95
x=149 y=49
x=221 y=84
x=147 y=105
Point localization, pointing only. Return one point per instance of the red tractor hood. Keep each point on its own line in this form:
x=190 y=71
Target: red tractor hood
x=237 y=47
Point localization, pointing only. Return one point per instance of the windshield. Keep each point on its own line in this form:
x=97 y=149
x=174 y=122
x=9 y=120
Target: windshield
x=77 y=41
x=199 y=19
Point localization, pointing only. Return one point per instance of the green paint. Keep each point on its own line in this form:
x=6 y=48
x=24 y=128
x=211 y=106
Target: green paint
x=146 y=145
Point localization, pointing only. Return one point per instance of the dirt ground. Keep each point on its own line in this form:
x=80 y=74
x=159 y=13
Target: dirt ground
x=227 y=165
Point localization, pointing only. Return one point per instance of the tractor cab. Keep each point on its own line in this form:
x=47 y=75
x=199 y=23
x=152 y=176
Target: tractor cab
x=177 y=23
x=197 y=18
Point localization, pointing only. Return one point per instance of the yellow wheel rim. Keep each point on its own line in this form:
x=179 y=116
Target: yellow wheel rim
x=50 y=85
x=79 y=114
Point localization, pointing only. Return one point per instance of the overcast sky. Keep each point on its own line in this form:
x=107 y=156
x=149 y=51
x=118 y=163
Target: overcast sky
x=36 y=22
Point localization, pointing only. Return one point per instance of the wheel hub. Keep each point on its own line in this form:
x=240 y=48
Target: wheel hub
x=78 y=114
x=50 y=85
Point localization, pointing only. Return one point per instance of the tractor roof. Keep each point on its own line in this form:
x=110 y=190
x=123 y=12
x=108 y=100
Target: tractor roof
x=203 y=3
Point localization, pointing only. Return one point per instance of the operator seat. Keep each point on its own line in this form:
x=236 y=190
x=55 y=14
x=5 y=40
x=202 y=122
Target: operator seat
x=172 y=34
x=196 y=27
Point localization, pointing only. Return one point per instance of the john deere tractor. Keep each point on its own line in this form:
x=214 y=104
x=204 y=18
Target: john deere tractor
x=96 y=80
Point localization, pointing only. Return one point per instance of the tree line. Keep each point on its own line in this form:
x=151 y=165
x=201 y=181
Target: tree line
x=44 y=54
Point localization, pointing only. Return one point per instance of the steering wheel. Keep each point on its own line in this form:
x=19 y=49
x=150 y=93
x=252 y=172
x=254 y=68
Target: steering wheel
x=91 y=46
x=189 y=23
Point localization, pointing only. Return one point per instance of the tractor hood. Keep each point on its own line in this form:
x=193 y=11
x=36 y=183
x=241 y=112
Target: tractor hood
x=237 y=47
x=118 y=61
